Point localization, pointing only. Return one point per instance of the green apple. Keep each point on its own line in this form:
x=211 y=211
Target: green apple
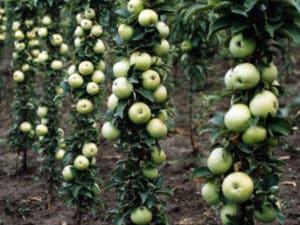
x=163 y=29
x=81 y=162
x=135 y=6
x=227 y=211
x=31 y=35
x=42 y=111
x=150 y=173
x=112 y=102
x=125 y=32
x=122 y=88
x=19 y=35
x=263 y=104
x=43 y=57
x=121 y=68
x=41 y=130
x=86 y=24
x=92 y=88
x=43 y=32
x=98 y=77
x=18 y=76
x=101 y=65
x=16 y=25
x=35 y=52
x=157 y=129
x=265 y=214
x=89 y=13
x=141 y=216
x=47 y=20
x=269 y=73
x=186 y=46
x=147 y=17
x=141 y=60
x=86 y=68
x=79 y=32
x=245 y=76
x=99 y=47
x=25 y=127
x=162 y=49
x=238 y=187
x=150 y=80
x=110 y=132
x=68 y=173
x=33 y=43
x=25 y=67
x=160 y=94
x=163 y=115
x=57 y=65
x=219 y=161
x=96 y=31
x=254 y=135
x=20 y=46
x=75 y=80
x=237 y=118
x=59 y=154
x=63 y=49
x=89 y=150
x=84 y=106
x=158 y=156
x=79 y=17
x=157 y=61
x=139 y=113
x=210 y=193
x=71 y=69
x=56 y=40
x=228 y=80
x=77 y=42
x=241 y=47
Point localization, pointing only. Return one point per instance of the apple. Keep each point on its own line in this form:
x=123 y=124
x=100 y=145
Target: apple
x=241 y=47
x=101 y=65
x=89 y=13
x=245 y=76
x=60 y=153
x=163 y=29
x=25 y=127
x=68 y=173
x=227 y=211
x=269 y=73
x=163 y=115
x=33 y=43
x=210 y=193
x=160 y=94
x=84 y=106
x=150 y=173
x=141 y=61
x=121 y=68
x=81 y=162
x=186 y=46
x=20 y=46
x=19 y=35
x=57 y=65
x=150 y=79
x=61 y=143
x=79 y=32
x=86 y=68
x=139 y=113
x=157 y=129
x=25 y=67
x=238 y=187
x=89 y=150
x=16 y=25
x=86 y=24
x=98 y=77
x=254 y=135
x=59 y=90
x=162 y=48
x=92 y=88
x=265 y=214
x=99 y=47
x=35 y=52
x=147 y=17
x=64 y=48
x=237 y=118
x=43 y=57
x=125 y=32
x=228 y=80
x=56 y=40
x=41 y=130
x=44 y=121
x=263 y=104
x=219 y=161
x=110 y=132
x=79 y=17
x=122 y=88
x=47 y=20
x=29 y=23
x=112 y=102
x=141 y=216
x=71 y=69
x=135 y=6
x=42 y=111
x=31 y=35
x=77 y=42
x=96 y=31
x=18 y=76
x=158 y=156
x=43 y=32
x=75 y=80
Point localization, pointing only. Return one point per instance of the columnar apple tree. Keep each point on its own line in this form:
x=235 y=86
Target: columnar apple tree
x=138 y=111
x=243 y=173
x=25 y=43
x=81 y=187
x=3 y=23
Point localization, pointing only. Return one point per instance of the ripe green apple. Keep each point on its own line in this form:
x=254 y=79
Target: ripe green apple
x=265 y=214
x=68 y=173
x=219 y=161
x=186 y=46
x=110 y=132
x=19 y=35
x=245 y=76
x=157 y=61
x=89 y=150
x=89 y=13
x=263 y=104
x=228 y=80
x=25 y=127
x=35 y=52
x=43 y=57
x=112 y=102
x=147 y=17
x=125 y=32
x=157 y=129
x=57 y=65
x=33 y=43
x=16 y=25
x=254 y=135
x=77 y=42
x=241 y=47
x=160 y=94
x=122 y=88
x=86 y=24
x=56 y=40
x=96 y=30
x=41 y=130
x=98 y=77
x=75 y=80
x=135 y=6
x=158 y=156
x=151 y=80
x=86 y=68
x=150 y=173
x=71 y=69
x=18 y=76
x=31 y=35
x=163 y=29
x=238 y=187
x=228 y=210
x=163 y=115
x=92 y=88
x=79 y=17
x=237 y=118
x=210 y=193
x=162 y=49
x=63 y=49
x=99 y=47
x=25 y=67
x=141 y=216
x=269 y=73
x=20 y=46
x=47 y=20
x=101 y=65
x=42 y=111
x=81 y=162
x=141 y=61
x=79 y=32
x=121 y=68
x=60 y=153
x=139 y=113
x=84 y=106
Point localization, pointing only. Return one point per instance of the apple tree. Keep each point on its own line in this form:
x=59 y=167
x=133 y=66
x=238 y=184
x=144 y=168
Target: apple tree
x=3 y=35
x=138 y=110
x=243 y=172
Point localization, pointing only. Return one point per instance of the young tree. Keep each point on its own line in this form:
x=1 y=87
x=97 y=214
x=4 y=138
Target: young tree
x=3 y=35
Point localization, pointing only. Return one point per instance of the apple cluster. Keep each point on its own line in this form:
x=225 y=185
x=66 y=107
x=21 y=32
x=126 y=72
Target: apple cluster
x=233 y=181
x=137 y=107
x=3 y=28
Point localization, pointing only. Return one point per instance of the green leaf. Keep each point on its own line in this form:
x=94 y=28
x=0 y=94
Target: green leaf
x=281 y=126
x=293 y=32
x=202 y=172
x=220 y=23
